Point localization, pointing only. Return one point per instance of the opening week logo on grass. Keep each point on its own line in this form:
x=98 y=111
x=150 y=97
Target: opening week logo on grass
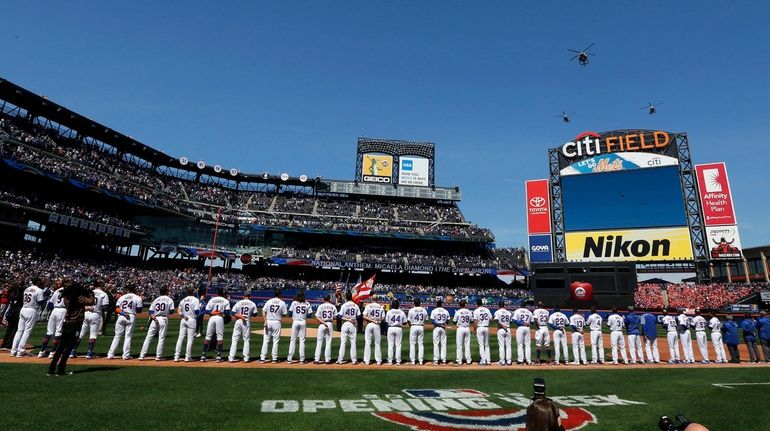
x=453 y=409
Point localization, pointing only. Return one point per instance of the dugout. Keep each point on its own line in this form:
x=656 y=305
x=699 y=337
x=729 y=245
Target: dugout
x=613 y=283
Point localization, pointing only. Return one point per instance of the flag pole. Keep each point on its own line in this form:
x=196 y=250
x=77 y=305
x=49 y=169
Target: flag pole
x=214 y=247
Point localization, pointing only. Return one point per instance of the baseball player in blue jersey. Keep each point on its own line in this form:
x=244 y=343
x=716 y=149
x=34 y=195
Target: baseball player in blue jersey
x=650 y=333
x=632 y=321
x=763 y=324
x=749 y=327
x=730 y=331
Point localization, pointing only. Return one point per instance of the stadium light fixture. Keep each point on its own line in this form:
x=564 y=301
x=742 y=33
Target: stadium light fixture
x=266 y=176
x=284 y=176
x=234 y=172
x=201 y=164
x=183 y=161
x=217 y=168
x=303 y=178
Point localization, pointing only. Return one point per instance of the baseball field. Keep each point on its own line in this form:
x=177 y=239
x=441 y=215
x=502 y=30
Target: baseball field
x=120 y=394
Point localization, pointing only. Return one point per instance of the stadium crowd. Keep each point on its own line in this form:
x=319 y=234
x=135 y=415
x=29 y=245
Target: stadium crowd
x=101 y=166
x=690 y=295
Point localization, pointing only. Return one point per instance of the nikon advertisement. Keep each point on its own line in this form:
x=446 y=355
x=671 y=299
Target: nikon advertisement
x=629 y=245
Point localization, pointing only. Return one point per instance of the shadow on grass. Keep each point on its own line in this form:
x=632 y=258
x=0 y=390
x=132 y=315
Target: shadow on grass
x=96 y=370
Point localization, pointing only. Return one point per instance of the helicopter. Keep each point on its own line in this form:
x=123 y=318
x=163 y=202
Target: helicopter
x=564 y=116
x=651 y=107
x=582 y=56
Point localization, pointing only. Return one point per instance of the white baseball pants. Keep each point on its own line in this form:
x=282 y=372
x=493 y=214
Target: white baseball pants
x=673 y=347
x=702 y=339
x=504 y=342
x=298 y=332
x=187 y=327
x=597 y=347
x=27 y=319
x=463 y=338
x=241 y=330
x=523 y=345
x=349 y=332
x=651 y=347
x=482 y=337
x=372 y=335
x=123 y=326
x=159 y=326
x=416 y=347
x=578 y=348
x=719 y=348
x=439 y=344
x=686 y=340
x=324 y=339
x=272 y=332
x=635 y=348
x=560 y=342
x=618 y=342
x=395 y=334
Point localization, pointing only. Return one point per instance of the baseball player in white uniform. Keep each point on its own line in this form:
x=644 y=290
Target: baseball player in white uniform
x=685 y=338
x=577 y=323
x=92 y=321
x=716 y=339
x=396 y=319
x=55 y=323
x=417 y=316
x=594 y=322
x=273 y=310
x=373 y=315
x=699 y=323
x=159 y=311
x=439 y=316
x=669 y=322
x=558 y=322
x=504 y=338
x=216 y=307
x=299 y=310
x=126 y=308
x=615 y=323
x=542 y=335
x=349 y=312
x=523 y=318
x=32 y=299
x=463 y=318
x=481 y=318
x=189 y=309
x=324 y=314
x=243 y=311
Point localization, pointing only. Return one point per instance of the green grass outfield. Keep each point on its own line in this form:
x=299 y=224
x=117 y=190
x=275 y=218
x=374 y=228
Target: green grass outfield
x=187 y=398
x=121 y=396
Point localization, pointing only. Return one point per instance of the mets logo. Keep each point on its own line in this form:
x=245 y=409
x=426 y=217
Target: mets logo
x=509 y=419
x=580 y=292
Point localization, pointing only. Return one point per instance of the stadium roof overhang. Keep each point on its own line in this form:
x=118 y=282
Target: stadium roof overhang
x=40 y=106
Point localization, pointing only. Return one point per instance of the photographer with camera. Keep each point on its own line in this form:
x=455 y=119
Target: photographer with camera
x=542 y=413
x=77 y=298
x=667 y=424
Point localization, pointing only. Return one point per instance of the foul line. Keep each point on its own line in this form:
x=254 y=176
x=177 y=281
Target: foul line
x=730 y=385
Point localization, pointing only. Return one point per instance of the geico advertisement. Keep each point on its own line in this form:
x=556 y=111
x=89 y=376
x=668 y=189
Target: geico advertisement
x=629 y=245
x=378 y=168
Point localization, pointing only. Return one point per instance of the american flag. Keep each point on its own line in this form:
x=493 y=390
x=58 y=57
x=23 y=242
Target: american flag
x=363 y=290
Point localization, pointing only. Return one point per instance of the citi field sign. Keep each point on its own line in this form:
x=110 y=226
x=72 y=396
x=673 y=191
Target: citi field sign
x=590 y=144
x=452 y=409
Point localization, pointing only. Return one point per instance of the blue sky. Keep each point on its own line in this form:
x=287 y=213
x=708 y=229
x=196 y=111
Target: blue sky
x=289 y=86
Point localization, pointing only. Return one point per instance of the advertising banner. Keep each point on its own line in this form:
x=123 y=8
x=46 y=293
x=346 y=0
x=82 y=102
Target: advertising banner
x=413 y=171
x=538 y=207
x=629 y=245
x=619 y=162
x=540 y=249
x=378 y=168
x=724 y=242
x=716 y=199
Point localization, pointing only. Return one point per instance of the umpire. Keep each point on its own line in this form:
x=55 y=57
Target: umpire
x=76 y=299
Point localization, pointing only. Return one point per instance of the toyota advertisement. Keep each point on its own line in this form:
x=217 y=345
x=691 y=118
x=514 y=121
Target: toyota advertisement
x=715 y=197
x=538 y=207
